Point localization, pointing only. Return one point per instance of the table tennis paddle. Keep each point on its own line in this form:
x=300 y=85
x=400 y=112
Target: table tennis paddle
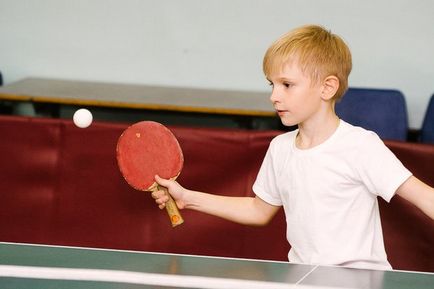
x=146 y=149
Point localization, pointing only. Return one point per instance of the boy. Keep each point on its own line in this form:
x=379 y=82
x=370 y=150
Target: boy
x=327 y=174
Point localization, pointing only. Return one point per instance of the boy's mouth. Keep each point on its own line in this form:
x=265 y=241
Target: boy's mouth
x=280 y=111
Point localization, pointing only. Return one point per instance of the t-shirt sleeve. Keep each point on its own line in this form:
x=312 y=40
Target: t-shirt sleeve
x=265 y=186
x=380 y=170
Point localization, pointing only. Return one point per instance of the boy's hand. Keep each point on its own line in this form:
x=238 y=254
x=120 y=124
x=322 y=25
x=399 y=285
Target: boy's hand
x=175 y=190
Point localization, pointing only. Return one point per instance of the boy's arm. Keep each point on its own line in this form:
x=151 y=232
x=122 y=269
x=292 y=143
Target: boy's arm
x=419 y=194
x=243 y=210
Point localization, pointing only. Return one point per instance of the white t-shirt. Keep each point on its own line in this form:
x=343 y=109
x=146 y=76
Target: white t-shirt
x=329 y=194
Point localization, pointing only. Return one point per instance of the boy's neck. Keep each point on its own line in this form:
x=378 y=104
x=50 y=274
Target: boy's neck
x=314 y=132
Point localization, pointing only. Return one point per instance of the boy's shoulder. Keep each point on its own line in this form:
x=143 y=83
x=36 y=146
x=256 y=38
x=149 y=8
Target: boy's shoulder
x=355 y=133
x=356 y=139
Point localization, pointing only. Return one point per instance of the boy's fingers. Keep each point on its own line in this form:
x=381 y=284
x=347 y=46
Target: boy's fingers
x=162 y=200
x=158 y=194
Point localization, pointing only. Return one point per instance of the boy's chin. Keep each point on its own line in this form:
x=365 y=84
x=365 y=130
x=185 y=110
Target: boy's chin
x=288 y=123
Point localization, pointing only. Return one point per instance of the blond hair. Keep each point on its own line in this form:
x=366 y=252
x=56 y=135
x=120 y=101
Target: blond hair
x=318 y=52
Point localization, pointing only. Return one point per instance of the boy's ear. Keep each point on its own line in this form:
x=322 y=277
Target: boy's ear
x=330 y=86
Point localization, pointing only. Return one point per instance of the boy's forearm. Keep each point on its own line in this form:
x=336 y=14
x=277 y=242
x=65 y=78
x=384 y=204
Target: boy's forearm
x=427 y=206
x=243 y=210
x=419 y=194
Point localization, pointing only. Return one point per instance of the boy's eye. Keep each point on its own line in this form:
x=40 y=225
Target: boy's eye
x=287 y=85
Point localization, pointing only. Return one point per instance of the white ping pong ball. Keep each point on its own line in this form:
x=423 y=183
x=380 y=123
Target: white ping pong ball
x=82 y=118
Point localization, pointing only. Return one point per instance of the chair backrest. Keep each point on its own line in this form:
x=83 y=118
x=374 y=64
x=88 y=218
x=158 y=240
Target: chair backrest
x=383 y=111
x=1 y=79
x=427 y=131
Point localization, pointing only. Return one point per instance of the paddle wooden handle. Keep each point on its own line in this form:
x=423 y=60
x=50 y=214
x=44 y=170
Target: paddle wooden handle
x=172 y=210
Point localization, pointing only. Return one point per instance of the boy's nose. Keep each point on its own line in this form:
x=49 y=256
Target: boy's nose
x=274 y=96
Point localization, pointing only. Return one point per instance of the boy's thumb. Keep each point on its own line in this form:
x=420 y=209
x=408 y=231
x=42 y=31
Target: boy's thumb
x=161 y=181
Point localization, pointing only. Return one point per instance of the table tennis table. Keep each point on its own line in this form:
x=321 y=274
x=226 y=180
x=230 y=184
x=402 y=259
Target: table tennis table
x=42 y=266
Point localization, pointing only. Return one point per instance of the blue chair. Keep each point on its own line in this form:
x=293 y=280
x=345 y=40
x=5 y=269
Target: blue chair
x=427 y=131
x=383 y=111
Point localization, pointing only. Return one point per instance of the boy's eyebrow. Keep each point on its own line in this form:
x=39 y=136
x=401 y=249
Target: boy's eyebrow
x=281 y=79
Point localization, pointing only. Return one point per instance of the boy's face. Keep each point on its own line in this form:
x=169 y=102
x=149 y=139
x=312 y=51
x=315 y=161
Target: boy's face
x=295 y=98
